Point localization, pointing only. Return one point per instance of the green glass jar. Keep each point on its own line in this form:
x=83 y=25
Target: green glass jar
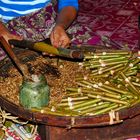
x=34 y=94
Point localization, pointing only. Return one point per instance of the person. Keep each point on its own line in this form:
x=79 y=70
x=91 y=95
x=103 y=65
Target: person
x=37 y=20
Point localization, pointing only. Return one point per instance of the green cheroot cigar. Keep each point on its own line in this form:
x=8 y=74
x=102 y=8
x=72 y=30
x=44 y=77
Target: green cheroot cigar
x=96 y=108
x=108 y=64
x=65 y=104
x=105 y=110
x=131 y=64
x=49 y=111
x=131 y=73
x=129 y=83
x=108 y=99
x=118 y=96
x=88 y=57
x=109 y=60
x=121 y=107
x=107 y=69
x=73 y=94
x=118 y=52
x=74 y=99
x=80 y=105
x=84 y=91
x=85 y=107
x=135 y=102
x=96 y=56
x=96 y=86
x=136 y=84
x=114 y=89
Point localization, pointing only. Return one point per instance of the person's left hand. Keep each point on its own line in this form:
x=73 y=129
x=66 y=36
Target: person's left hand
x=59 y=37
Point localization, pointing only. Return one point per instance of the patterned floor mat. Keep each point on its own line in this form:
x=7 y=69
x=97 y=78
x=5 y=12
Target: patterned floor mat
x=138 y=138
x=117 y=19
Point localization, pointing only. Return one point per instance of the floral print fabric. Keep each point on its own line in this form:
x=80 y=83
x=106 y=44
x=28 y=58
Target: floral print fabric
x=38 y=25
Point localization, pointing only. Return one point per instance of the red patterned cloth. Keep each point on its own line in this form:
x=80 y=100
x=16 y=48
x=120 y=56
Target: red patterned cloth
x=117 y=19
x=137 y=138
x=38 y=25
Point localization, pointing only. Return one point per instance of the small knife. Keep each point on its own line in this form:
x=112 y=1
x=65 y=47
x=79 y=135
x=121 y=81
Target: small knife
x=44 y=47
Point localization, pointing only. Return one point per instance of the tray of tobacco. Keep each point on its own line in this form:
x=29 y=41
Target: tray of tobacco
x=101 y=89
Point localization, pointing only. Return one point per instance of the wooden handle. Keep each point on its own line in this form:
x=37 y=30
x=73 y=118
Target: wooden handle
x=23 y=68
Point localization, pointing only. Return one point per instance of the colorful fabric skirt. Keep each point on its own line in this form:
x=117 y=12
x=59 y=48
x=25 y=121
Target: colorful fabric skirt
x=38 y=25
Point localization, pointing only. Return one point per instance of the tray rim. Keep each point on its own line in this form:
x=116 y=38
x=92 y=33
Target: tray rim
x=66 y=121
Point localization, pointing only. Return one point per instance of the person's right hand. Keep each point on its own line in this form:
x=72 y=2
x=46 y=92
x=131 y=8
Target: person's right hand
x=59 y=37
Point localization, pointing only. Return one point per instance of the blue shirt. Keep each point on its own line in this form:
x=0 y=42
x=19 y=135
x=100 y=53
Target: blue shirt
x=10 y=9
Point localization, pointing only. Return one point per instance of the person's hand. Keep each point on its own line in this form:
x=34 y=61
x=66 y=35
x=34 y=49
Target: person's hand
x=59 y=37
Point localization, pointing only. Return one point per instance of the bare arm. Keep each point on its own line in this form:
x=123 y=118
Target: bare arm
x=66 y=16
x=64 y=19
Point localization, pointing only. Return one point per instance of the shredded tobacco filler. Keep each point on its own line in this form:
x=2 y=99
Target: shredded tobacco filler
x=103 y=82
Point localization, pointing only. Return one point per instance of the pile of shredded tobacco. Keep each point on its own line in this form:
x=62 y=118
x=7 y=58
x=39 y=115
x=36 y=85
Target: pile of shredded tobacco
x=59 y=74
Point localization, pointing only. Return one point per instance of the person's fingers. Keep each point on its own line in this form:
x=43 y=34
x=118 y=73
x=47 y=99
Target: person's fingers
x=59 y=37
x=66 y=45
x=65 y=42
x=52 y=37
x=56 y=41
x=60 y=43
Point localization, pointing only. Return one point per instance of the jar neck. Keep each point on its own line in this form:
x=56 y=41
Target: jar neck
x=42 y=81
